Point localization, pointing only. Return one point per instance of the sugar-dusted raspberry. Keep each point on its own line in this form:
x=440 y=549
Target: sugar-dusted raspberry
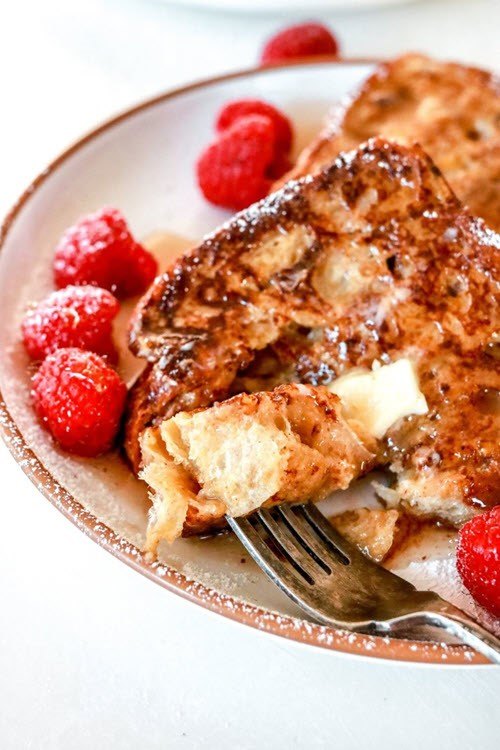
x=235 y=110
x=478 y=558
x=80 y=400
x=233 y=170
x=303 y=40
x=100 y=250
x=77 y=316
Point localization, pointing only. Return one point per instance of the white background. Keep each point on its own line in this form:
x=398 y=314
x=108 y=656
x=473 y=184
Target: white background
x=91 y=654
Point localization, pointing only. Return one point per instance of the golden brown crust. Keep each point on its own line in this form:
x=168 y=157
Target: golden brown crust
x=451 y=110
x=386 y=265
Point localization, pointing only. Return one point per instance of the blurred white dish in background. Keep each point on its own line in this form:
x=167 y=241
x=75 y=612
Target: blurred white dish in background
x=274 y=6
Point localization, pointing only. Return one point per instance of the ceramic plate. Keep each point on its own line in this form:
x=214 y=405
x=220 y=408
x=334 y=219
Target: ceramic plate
x=142 y=162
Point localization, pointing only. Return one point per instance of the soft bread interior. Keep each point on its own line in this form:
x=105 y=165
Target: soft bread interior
x=287 y=445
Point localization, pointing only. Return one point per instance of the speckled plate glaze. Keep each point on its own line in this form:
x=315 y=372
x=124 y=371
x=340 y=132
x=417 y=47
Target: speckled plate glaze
x=142 y=162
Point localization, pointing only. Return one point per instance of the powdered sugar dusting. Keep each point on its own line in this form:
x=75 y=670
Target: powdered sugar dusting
x=441 y=576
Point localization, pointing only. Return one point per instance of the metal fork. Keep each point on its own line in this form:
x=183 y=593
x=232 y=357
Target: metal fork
x=336 y=584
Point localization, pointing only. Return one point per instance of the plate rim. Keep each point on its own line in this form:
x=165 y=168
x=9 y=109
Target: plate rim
x=295 y=629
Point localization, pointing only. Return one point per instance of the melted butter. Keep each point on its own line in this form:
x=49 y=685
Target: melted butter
x=376 y=399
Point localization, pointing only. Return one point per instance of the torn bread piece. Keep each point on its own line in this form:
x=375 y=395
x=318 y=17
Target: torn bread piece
x=375 y=531
x=285 y=446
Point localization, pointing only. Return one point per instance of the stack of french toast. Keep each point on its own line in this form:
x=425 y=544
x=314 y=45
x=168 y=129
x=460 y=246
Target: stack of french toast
x=372 y=268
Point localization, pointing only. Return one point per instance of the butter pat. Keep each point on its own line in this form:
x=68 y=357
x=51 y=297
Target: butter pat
x=376 y=399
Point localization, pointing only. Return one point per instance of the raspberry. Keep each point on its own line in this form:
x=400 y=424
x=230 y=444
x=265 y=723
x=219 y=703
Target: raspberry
x=280 y=166
x=233 y=170
x=100 y=250
x=78 y=316
x=80 y=400
x=478 y=558
x=303 y=40
x=234 y=111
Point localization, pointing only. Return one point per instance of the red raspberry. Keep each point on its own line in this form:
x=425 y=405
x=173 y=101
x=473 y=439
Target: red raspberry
x=79 y=316
x=100 y=250
x=80 y=400
x=234 y=111
x=233 y=170
x=478 y=558
x=280 y=166
x=303 y=40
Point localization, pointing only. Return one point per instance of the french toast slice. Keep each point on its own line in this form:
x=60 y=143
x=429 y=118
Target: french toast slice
x=249 y=451
x=451 y=110
x=372 y=259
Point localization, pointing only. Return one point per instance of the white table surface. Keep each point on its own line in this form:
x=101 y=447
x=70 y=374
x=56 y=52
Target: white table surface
x=92 y=655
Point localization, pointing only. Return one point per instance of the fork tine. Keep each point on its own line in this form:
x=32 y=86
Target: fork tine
x=309 y=538
x=361 y=567
x=330 y=535
x=278 y=570
x=318 y=600
x=283 y=537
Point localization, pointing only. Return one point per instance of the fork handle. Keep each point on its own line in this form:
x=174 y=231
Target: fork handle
x=456 y=622
x=474 y=635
